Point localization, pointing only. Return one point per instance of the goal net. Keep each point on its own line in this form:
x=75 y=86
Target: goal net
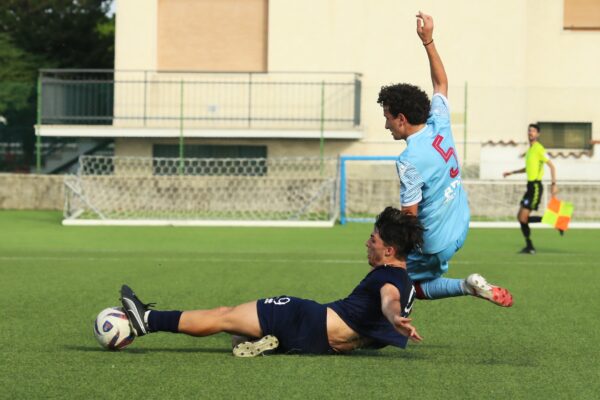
x=369 y=183
x=201 y=191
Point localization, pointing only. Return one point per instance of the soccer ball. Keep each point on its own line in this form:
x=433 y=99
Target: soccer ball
x=112 y=329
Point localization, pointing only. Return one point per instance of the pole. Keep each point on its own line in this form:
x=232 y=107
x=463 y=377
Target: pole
x=249 y=99
x=322 y=139
x=145 y=95
x=465 y=126
x=38 y=137
x=181 y=144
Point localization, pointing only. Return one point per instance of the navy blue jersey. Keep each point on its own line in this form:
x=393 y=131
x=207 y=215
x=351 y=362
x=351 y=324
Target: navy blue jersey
x=361 y=310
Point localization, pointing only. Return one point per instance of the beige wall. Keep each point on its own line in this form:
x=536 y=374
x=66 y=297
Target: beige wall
x=519 y=62
x=135 y=34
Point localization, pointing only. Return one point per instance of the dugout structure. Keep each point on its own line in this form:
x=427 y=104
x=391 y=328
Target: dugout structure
x=202 y=191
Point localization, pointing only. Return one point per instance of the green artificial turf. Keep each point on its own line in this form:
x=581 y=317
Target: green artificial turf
x=55 y=279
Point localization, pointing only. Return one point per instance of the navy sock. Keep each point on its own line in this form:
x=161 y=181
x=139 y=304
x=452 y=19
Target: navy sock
x=164 y=321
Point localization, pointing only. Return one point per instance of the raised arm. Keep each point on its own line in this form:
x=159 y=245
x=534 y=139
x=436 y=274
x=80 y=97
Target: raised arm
x=391 y=308
x=438 y=73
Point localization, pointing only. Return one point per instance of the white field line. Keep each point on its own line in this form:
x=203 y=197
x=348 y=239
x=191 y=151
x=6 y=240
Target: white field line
x=527 y=260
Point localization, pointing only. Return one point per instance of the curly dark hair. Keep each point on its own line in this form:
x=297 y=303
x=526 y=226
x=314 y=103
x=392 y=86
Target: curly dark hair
x=406 y=99
x=401 y=230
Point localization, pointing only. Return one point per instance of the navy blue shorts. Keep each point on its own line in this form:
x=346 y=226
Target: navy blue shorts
x=300 y=325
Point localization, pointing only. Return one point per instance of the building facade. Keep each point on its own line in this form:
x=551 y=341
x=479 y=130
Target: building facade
x=286 y=78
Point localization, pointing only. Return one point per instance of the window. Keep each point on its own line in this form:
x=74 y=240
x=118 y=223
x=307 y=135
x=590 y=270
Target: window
x=211 y=160
x=566 y=135
x=581 y=15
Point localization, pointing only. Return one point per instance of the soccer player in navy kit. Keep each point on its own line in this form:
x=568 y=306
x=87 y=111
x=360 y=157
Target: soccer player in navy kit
x=430 y=181
x=374 y=315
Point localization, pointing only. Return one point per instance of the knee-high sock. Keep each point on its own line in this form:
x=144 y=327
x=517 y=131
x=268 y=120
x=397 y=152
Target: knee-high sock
x=440 y=288
x=526 y=232
x=536 y=218
x=163 y=321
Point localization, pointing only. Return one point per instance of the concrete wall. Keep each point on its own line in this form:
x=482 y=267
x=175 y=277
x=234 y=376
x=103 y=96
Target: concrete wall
x=31 y=192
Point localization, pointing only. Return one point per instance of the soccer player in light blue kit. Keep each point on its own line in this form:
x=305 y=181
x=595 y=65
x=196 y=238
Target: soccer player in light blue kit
x=430 y=180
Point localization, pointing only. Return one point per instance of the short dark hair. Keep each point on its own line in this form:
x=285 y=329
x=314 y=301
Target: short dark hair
x=535 y=126
x=405 y=99
x=401 y=230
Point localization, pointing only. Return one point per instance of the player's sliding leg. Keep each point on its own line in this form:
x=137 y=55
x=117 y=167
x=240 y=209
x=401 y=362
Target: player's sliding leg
x=474 y=285
x=239 y=320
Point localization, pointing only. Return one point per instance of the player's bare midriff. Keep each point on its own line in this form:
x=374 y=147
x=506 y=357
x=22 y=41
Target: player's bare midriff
x=341 y=337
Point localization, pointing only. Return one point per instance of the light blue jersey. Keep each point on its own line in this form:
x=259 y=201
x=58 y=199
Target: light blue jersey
x=430 y=177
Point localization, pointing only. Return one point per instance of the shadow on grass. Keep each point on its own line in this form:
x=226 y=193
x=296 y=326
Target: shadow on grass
x=429 y=353
x=365 y=353
x=95 y=349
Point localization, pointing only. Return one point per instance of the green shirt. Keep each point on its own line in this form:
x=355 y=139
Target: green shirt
x=535 y=158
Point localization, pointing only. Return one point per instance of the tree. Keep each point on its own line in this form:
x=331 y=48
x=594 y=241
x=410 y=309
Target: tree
x=37 y=34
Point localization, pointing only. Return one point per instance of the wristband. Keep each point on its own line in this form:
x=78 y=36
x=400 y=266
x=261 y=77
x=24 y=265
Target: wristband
x=428 y=43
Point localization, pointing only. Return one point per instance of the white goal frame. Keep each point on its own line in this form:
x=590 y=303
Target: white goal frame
x=130 y=191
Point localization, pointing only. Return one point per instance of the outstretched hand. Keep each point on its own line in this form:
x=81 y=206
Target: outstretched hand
x=405 y=328
x=424 y=27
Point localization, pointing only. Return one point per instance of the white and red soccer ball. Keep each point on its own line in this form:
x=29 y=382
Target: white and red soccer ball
x=112 y=329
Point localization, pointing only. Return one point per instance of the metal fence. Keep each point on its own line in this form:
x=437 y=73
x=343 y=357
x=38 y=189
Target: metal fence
x=200 y=100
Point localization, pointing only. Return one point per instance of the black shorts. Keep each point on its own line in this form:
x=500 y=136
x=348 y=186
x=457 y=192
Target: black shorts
x=533 y=195
x=300 y=325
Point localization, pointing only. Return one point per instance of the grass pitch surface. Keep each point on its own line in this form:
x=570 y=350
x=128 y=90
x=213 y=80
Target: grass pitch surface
x=54 y=280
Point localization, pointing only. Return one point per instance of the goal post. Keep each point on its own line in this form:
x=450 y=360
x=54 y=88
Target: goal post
x=290 y=191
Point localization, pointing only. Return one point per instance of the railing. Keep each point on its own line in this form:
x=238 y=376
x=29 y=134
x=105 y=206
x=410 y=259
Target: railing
x=158 y=99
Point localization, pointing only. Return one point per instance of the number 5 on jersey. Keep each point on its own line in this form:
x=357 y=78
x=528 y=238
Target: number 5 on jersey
x=446 y=154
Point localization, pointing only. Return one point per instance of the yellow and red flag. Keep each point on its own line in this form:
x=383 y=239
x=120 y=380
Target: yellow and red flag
x=558 y=214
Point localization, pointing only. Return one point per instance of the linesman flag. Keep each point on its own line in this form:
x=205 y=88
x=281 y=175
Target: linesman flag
x=558 y=214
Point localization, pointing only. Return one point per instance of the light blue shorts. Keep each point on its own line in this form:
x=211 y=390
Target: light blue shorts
x=422 y=266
